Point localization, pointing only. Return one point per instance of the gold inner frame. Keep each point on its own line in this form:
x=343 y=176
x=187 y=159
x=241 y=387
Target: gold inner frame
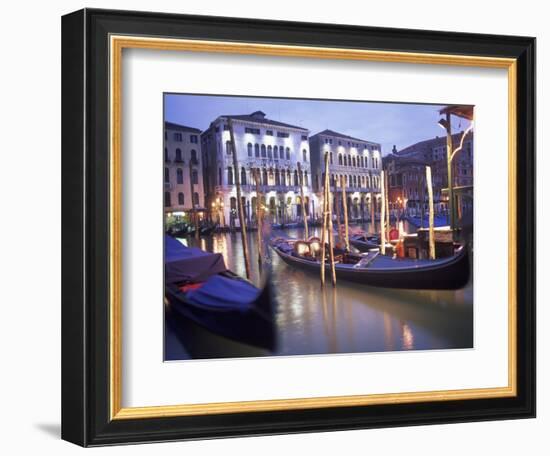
x=117 y=44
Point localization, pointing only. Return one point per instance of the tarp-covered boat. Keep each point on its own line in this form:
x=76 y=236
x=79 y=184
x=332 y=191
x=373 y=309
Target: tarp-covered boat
x=382 y=271
x=200 y=288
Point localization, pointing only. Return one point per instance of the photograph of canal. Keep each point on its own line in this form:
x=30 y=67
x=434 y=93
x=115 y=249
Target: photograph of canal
x=311 y=226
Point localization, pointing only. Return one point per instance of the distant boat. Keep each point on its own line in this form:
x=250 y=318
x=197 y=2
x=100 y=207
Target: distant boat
x=382 y=271
x=200 y=289
x=364 y=242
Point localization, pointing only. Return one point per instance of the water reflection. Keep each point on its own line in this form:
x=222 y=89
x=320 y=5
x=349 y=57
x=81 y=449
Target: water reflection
x=351 y=317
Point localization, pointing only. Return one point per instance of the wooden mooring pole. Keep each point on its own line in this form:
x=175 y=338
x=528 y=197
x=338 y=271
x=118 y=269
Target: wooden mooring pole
x=382 y=214
x=431 y=208
x=324 y=227
x=259 y=216
x=304 y=215
x=345 y=204
x=330 y=227
x=240 y=208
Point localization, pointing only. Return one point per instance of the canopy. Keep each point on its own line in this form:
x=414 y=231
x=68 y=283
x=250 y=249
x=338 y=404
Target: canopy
x=189 y=264
x=223 y=293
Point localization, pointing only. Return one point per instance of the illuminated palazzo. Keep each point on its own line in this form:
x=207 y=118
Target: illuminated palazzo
x=357 y=161
x=274 y=150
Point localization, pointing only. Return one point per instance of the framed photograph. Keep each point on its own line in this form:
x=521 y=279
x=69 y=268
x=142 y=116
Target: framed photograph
x=279 y=227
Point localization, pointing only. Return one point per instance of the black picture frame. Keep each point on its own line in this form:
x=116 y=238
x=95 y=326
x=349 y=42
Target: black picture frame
x=85 y=227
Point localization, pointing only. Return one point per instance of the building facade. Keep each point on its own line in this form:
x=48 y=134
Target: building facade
x=273 y=149
x=358 y=161
x=407 y=175
x=183 y=170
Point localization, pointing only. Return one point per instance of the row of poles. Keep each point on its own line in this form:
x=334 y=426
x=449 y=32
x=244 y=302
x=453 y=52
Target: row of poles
x=384 y=219
x=259 y=208
x=327 y=229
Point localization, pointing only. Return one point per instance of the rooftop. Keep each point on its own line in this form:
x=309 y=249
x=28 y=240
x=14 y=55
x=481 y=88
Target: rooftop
x=259 y=117
x=429 y=143
x=328 y=132
x=178 y=127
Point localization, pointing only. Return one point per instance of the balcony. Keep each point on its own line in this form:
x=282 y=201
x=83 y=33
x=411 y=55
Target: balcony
x=263 y=188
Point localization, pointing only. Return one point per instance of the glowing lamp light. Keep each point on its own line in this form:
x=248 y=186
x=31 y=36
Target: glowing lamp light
x=302 y=248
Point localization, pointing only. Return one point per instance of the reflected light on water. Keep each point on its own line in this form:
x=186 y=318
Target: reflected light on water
x=408 y=338
x=352 y=317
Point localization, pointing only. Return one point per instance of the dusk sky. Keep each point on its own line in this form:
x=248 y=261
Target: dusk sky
x=385 y=123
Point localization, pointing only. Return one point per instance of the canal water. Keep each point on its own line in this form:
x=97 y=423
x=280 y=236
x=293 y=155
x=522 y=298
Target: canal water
x=351 y=317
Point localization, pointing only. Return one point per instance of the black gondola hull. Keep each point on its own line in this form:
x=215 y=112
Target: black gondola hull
x=450 y=275
x=254 y=326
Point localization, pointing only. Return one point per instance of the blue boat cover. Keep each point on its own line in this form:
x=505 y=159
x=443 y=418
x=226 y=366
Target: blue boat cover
x=189 y=264
x=223 y=293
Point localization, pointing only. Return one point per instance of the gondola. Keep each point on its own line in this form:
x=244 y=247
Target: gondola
x=364 y=242
x=200 y=289
x=378 y=270
x=207 y=230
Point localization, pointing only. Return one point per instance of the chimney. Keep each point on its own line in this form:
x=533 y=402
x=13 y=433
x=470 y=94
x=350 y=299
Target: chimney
x=394 y=150
x=258 y=114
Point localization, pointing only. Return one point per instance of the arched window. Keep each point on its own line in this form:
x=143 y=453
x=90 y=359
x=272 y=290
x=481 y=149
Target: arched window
x=194 y=159
x=195 y=199
x=275 y=152
x=181 y=199
x=167 y=202
x=269 y=152
x=345 y=160
x=219 y=176
x=296 y=177
x=263 y=151
x=256 y=150
x=243 y=176
x=304 y=153
x=229 y=175
x=166 y=154
x=264 y=177
x=305 y=179
x=195 y=177
x=288 y=177
x=228 y=147
x=362 y=161
x=179 y=176
x=330 y=158
x=166 y=175
x=288 y=153
x=354 y=162
x=178 y=155
x=249 y=147
x=340 y=159
x=283 y=180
